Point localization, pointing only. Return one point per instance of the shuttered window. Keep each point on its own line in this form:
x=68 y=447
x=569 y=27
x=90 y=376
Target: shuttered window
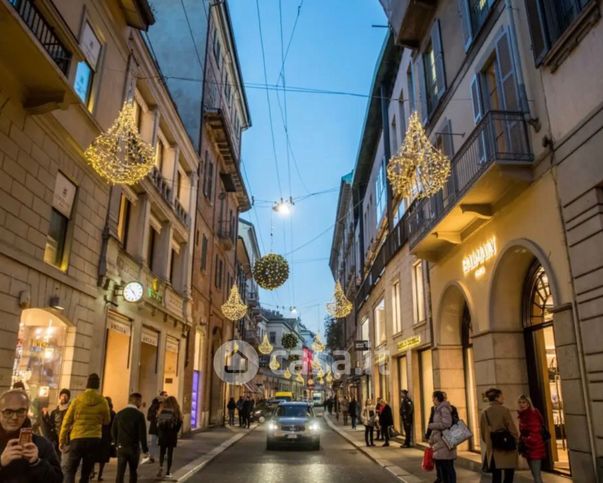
x=473 y=16
x=433 y=71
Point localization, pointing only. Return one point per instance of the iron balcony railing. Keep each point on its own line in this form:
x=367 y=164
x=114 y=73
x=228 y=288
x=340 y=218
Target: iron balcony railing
x=43 y=32
x=500 y=136
x=165 y=190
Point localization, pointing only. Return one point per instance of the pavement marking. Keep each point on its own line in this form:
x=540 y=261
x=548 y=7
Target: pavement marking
x=401 y=474
x=192 y=468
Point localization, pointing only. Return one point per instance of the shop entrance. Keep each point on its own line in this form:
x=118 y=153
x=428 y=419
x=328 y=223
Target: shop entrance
x=216 y=399
x=543 y=370
x=170 y=367
x=147 y=371
x=117 y=360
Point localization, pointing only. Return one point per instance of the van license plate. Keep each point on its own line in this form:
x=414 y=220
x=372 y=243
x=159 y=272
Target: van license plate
x=292 y=436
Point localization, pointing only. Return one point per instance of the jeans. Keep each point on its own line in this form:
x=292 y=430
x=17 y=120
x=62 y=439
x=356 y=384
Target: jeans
x=84 y=450
x=241 y=418
x=170 y=455
x=154 y=447
x=127 y=457
x=498 y=478
x=368 y=434
x=385 y=434
x=445 y=470
x=535 y=466
x=407 y=433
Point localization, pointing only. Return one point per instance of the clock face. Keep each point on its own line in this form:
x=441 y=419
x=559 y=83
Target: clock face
x=133 y=291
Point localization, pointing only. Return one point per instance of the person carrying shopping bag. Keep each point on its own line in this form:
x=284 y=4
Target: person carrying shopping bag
x=369 y=416
x=443 y=456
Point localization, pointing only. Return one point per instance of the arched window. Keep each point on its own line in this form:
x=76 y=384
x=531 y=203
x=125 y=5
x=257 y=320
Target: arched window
x=540 y=299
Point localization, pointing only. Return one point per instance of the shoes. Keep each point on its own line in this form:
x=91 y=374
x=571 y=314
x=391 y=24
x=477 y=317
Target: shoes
x=386 y=444
x=169 y=476
x=152 y=460
x=160 y=473
x=372 y=444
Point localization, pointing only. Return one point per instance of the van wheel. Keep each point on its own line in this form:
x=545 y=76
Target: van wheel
x=316 y=445
x=262 y=419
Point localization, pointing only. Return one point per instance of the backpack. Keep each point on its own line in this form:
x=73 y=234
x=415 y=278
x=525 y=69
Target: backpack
x=166 y=421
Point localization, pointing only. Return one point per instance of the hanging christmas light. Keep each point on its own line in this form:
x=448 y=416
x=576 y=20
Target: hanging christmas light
x=320 y=380
x=274 y=364
x=340 y=306
x=317 y=345
x=120 y=155
x=287 y=374
x=320 y=374
x=271 y=271
x=265 y=347
x=299 y=378
x=234 y=308
x=418 y=169
x=329 y=378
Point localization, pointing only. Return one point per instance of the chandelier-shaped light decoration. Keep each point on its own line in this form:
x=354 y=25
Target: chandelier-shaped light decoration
x=320 y=374
x=340 y=306
x=274 y=364
x=120 y=155
x=299 y=378
x=234 y=308
x=418 y=169
x=317 y=345
x=271 y=271
x=329 y=377
x=320 y=380
x=287 y=374
x=265 y=347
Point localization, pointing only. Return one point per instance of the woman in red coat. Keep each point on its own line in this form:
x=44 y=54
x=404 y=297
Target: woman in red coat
x=531 y=440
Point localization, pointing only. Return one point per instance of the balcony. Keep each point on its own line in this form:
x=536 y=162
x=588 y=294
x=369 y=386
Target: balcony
x=409 y=19
x=181 y=212
x=226 y=235
x=165 y=190
x=489 y=170
x=36 y=51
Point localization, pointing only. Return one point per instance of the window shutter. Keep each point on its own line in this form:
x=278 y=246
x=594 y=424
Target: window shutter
x=466 y=21
x=447 y=146
x=420 y=76
x=476 y=96
x=506 y=71
x=436 y=42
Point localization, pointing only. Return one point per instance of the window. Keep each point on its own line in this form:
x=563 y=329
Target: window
x=173 y=261
x=159 y=151
x=431 y=87
x=272 y=337
x=379 y=321
x=418 y=292
x=401 y=117
x=397 y=319
x=394 y=136
x=57 y=241
x=138 y=115
x=411 y=89
x=216 y=48
x=474 y=14
x=433 y=67
x=178 y=184
x=381 y=192
x=400 y=210
x=548 y=20
x=219 y=275
x=209 y=179
x=204 y=254
x=123 y=221
x=151 y=248
x=85 y=70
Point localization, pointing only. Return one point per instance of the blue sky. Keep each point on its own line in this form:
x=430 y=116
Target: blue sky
x=334 y=48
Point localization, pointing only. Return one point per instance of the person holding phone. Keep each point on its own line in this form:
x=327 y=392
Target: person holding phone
x=24 y=457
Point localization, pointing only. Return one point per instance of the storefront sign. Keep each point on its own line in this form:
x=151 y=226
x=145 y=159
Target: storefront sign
x=478 y=257
x=120 y=327
x=64 y=194
x=361 y=345
x=381 y=357
x=149 y=337
x=409 y=343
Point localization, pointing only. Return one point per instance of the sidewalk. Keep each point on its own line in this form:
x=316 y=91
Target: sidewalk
x=192 y=454
x=405 y=463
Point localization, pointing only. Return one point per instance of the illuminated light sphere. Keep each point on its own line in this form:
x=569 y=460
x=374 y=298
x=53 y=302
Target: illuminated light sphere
x=310 y=381
x=340 y=306
x=274 y=364
x=418 y=169
x=234 y=308
x=265 y=347
x=120 y=155
x=287 y=374
x=271 y=271
x=317 y=345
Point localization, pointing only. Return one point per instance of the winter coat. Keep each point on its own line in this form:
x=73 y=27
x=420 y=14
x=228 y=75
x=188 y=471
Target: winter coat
x=530 y=434
x=240 y=404
x=85 y=417
x=369 y=415
x=500 y=418
x=106 y=450
x=152 y=416
x=168 y=432
x=442 y=420
x=54 y=422
x=231 y=405
x=386 y=417
x=47 y=470
x=344 y=406
x=353 y=408
x=407 y=409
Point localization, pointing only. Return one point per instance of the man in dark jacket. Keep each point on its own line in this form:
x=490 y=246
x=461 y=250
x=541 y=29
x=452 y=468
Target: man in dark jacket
x=353 y=411
x=34 y=462
x=247 y=412
x=407 y=409
x=240 y=404
x=386 y=419
x=54 y=420
x=152 y=419
x=129 y=431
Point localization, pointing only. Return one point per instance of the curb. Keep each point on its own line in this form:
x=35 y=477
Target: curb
x=400 y=473
x=192 y=468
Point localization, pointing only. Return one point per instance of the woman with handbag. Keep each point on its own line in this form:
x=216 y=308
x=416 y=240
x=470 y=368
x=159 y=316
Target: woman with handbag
x=443 y=456
x=369 y=415
x=499 y=434
x=378 y=409
x=532 y=436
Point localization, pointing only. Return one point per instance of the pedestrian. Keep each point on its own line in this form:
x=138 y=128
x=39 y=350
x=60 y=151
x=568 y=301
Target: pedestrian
x=82 y=430
x=442 y=455
x=386 y=420
x=407 y=409
x=344 y=405
x=353 y=411
x=330 y=405
x=240 y=403
x=232 y=405
x=378 y=409
x=498 y=418
x=33 y=462
x=369 y=416
x=336 y=407
x=152 y=419
x=107 y=447
x=54 y=419
x=169 y=422
x=247 y=412
x=532 y=433
x=129 y=432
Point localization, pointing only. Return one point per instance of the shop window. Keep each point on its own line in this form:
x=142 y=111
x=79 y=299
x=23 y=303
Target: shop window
x=426 y=377
x=123 y=222
x=418 y=292
x=204 y=254
x=396 y=316
x=86 y=69
x=39 y=353
x=148 y=365
x=170 y=367
x=117 y=359
x=379 y=321
x=58 y=238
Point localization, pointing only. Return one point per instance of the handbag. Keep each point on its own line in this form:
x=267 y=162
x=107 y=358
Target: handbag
x=458 y=433
x=427 y=463
x=502 y=439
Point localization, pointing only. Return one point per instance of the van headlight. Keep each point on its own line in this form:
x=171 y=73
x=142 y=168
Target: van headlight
x=314 y=427
x=272 y=426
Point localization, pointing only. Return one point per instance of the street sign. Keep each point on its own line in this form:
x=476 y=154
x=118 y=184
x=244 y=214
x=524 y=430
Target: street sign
x=361 y=345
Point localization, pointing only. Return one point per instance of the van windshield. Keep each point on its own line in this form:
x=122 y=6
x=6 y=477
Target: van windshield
x=296 y=411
